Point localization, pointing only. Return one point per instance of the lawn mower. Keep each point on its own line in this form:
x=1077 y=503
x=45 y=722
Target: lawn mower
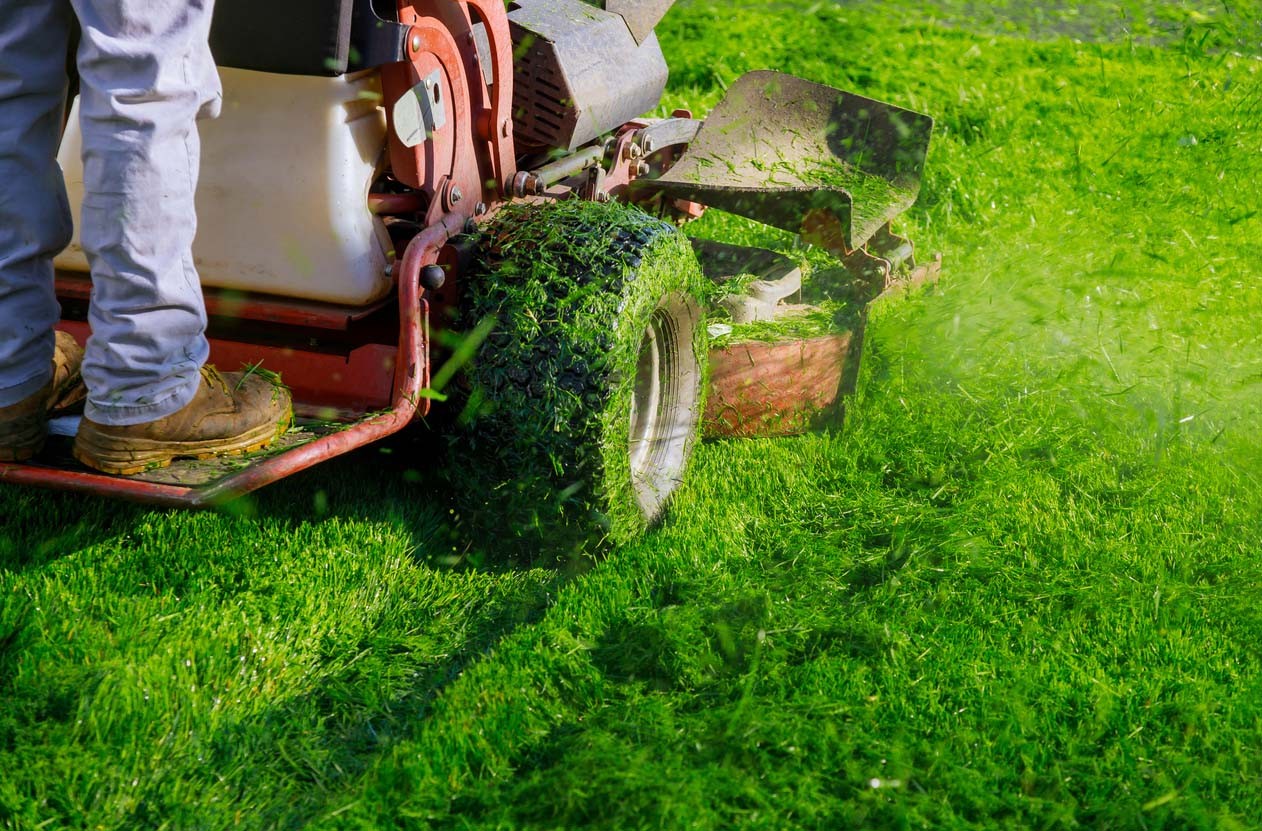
x=461 y=204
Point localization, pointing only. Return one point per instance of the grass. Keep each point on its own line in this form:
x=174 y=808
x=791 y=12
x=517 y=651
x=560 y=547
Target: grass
x=1018 y=590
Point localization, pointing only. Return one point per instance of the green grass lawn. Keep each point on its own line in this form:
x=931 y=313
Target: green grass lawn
x=1020 y=589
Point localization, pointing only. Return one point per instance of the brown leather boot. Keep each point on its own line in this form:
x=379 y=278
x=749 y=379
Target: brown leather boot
x=24 y=425
x=233 y=412
x=68 y=391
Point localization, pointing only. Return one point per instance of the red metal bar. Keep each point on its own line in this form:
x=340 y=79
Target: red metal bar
x=396 y=203
x=342 y=386
x=96 y=484
x=411 y=374
x=496 y=125
x=245 y=306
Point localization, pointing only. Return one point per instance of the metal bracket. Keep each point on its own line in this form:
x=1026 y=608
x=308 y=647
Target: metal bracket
x=667 y=132
x=421 y=112
x=641 y=15
x=594 y=189
x=375 y=41
x=762 y=300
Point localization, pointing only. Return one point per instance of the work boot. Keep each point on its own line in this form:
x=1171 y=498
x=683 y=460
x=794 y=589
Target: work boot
x=232 y=412
x=24 y=425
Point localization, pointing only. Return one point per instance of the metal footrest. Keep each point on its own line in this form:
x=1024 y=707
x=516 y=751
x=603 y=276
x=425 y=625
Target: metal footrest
x=190 y=483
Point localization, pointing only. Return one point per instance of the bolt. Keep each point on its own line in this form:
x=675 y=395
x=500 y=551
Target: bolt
x=504 y=128
x=642 y=169
x=602 y=196
x=455 y=195
x=433 y=277
x=648 y=145
x=416 y=43
x=634 y=151
x=519 y=183
x=479 y=209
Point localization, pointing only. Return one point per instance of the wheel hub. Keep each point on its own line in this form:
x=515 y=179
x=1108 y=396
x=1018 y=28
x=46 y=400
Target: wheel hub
x=665 y=403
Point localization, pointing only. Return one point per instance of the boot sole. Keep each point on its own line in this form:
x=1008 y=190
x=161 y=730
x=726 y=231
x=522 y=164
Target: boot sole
x=128 y=457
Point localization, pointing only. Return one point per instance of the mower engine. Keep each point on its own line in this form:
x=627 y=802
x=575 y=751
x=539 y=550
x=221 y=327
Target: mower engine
x=579 y=73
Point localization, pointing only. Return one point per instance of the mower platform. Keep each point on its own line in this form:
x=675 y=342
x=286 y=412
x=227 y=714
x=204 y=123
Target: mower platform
x=207 y=483
x=189 y=483
x=789 y=384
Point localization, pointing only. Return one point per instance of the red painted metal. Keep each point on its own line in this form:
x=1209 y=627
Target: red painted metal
x=97 y=484
x=495 y=125
x=789 y=387
x=325 y=386
x=630 y=163
x=328 y=386
x=775 y=389
x=431 y=165
x=244 y=306
x=471 y=158
x=445 y=165
x=625 y=167
x=396 y=203
x=411 y=375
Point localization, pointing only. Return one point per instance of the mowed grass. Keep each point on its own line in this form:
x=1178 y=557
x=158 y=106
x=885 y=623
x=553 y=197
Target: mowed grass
x=1018 y=590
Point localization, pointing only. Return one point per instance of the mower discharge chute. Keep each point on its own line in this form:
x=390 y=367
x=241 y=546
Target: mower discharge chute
x=387 y=175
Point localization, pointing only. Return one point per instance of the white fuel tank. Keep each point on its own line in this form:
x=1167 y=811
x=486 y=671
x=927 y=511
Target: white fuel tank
x=282 y=197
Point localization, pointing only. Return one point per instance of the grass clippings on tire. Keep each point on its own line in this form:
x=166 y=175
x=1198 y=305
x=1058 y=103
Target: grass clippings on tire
x=571 y=287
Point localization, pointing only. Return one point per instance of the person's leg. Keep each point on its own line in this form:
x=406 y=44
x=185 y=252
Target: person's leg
x=37 y=371
x=145 y=76
x=35 y=220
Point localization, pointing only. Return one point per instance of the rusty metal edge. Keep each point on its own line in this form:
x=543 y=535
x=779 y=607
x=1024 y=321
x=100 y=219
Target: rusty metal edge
x=782 y=406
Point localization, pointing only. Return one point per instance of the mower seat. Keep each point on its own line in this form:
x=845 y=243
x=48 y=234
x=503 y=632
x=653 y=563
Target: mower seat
x=289 y=37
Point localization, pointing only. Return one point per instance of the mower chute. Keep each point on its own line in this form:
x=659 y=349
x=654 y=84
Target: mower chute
x=832 y=166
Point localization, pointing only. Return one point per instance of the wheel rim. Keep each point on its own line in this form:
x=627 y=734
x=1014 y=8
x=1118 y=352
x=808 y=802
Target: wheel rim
x=665 y=403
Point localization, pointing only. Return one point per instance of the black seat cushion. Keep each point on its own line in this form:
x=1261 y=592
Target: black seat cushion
x=292 y=37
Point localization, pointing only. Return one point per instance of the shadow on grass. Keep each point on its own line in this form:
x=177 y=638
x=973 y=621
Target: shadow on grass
x=357 y=729
x=370 y=691
x=39 y=526
x=412 y=481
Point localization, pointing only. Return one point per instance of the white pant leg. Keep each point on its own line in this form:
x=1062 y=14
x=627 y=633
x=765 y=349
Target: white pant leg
x=146 y=75
x=35 y=219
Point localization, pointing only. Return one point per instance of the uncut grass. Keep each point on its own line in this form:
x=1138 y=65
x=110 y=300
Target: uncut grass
x=1018 y=590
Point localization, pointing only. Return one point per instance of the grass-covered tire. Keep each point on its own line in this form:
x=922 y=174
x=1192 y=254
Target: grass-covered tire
x=588 y=391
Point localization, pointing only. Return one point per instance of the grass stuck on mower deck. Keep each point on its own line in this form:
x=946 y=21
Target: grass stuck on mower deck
x=520 y=237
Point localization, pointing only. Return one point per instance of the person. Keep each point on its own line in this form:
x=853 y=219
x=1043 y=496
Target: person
x=146 y=74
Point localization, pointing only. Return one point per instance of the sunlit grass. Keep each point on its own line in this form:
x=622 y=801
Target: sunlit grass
x=1018 y=590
